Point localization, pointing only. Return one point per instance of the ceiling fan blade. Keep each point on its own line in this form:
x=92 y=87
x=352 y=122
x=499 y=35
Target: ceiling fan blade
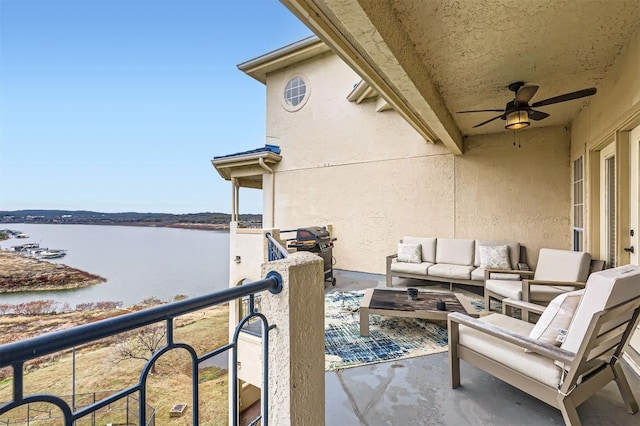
x=481 y=110
x=488 y=121
x=537 y=115
x=525 y=93
x=566 y=97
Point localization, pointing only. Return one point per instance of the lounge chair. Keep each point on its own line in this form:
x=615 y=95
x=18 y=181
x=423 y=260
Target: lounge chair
x=558 y=271
x=565 y=376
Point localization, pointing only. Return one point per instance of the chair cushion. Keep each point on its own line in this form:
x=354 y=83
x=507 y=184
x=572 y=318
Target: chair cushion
x=410 y=268
x=450 y=271
x=604 y=290
x=478 y=274
x=552 y=325
x=411 y=253
x=562 y=265
x=494 y=257
x=514 y=250
x=455 y=251
x=428 y=247
x=529 y=364
x=505 y=288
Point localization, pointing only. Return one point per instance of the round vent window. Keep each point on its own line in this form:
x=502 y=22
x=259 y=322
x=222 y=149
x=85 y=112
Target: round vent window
x=296 y=94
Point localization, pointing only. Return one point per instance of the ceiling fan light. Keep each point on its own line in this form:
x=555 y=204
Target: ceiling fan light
x=517 y=120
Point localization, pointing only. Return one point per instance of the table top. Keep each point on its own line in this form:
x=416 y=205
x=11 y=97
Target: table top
x=398 y=300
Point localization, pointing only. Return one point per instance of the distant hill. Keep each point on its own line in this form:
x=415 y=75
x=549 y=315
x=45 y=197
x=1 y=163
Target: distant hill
x=199 y=220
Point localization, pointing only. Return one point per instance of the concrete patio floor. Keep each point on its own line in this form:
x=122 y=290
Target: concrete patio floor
x=416 y=391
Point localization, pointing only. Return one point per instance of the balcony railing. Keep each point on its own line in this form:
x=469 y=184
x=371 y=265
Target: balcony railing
x=276 y=250
x=16 y=354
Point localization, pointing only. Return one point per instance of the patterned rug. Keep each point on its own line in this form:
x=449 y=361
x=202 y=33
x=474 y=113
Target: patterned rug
x=390 y=338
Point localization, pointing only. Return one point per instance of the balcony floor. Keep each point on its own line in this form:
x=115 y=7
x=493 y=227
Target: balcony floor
x=416 y=391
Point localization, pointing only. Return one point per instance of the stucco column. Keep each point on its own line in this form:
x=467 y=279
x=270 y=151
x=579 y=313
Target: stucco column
x=296 y=345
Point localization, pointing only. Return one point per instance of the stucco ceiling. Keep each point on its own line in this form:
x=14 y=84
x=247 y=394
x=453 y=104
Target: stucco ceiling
x=436 y=57
x=474 y=49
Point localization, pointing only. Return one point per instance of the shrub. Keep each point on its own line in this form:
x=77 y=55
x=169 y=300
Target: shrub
x=151 y=301
x=36 y=307
x=108 y=305
x=85 y=306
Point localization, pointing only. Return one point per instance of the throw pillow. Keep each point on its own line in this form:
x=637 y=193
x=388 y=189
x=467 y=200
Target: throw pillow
x=411 y=253
x=552 y=326
x=495 y=257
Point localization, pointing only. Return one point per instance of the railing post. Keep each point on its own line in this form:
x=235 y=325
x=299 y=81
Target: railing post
x=296 y=345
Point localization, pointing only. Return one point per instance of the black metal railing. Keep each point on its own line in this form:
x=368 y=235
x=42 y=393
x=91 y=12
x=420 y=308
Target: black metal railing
x=16 y=354
x=126 y=409
x=275 y=249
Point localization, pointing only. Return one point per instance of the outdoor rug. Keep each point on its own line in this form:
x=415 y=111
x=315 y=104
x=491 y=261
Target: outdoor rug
x=390 y=338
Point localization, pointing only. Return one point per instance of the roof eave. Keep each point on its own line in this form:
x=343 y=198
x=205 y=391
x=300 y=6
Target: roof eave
x=226 y=164
x=259 y=67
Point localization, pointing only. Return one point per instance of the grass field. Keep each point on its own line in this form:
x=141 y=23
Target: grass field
x=98 y=368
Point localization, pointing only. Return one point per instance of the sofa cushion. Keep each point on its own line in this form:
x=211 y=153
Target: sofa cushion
x=455 y=251
x=495 y=257
x=513 y=290
x=446 y=270
x=428 y=247
x=529 y=364
x=411 y=268
x=478 y=274
x=514 y=251
x=552 y=325
x=411 y=253
x=562 y=265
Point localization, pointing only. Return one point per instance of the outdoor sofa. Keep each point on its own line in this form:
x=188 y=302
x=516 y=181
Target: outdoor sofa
x=454 y=260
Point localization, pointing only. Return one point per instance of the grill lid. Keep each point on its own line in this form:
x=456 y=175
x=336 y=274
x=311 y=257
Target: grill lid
x=312 y=233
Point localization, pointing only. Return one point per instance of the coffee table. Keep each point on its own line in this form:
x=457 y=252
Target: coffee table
x=396 y=303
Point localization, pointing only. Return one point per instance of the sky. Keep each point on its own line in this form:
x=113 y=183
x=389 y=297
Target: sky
x=120 y=105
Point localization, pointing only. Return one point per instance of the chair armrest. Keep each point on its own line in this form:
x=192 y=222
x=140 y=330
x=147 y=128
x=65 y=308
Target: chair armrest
x=389 y=260
x=489 y=271
x=514 y=303
x=526 y=286
x=554 y=283
x=388 y=270
x=544 y=349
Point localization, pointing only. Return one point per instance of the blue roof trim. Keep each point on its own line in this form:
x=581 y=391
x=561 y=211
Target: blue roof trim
x=267 y=148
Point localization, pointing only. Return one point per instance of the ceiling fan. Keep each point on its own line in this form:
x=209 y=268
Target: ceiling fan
x=518 y=111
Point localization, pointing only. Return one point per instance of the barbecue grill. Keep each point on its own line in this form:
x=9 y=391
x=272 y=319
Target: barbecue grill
x=315 y=239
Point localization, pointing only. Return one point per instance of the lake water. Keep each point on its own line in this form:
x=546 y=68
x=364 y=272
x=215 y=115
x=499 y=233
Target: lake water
x=138 y=262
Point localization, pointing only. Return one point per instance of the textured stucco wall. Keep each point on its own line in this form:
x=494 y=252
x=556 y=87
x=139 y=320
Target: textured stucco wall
x=296 y=345
x=375 y=179
x=618 y=94
x=249 y=244
x=516 y=193
x=610 y=110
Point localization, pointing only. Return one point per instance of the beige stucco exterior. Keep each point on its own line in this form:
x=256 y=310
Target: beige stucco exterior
x=607 y=119
x=376 y=179
x=377 y=176
x=296 y=344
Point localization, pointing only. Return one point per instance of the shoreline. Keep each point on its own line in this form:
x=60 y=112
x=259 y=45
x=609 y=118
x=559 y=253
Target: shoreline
x=19 y=273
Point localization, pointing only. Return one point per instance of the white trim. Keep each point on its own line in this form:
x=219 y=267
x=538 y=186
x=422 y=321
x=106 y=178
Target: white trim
x=606 y=153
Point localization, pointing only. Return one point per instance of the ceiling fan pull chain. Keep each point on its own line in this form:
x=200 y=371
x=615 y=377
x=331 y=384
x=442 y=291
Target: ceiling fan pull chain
x=514 y=140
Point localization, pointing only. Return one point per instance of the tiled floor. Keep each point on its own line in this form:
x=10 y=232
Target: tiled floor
x=416 y=391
